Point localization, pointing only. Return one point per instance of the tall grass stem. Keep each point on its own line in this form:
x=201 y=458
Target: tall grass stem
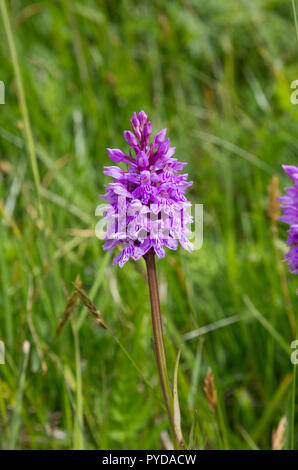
x=16 y=415
x=295 y=17
x=78 y=427
x=22 y=98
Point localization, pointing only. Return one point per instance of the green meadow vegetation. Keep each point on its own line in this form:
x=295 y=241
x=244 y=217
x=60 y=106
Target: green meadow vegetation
x=217 y=74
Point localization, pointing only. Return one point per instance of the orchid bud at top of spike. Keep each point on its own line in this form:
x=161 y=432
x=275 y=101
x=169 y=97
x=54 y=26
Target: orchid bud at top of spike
x=160 y=136
x=135 y=124
x=131 y=139
x=143 y=118
x=148 y=129
x=146 y=134
x=153 y=190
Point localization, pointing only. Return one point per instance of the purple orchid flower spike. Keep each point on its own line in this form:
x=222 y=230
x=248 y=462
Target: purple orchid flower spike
x=154 y=214
x=289 y=205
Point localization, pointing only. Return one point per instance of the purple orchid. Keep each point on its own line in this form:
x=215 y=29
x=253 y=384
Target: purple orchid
x=147 y=207
x=289 y=205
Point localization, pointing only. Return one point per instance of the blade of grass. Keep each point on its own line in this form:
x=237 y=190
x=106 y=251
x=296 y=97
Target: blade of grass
x=195 y=374
x=194 y=431
x=176 y=406
x=295 y=17
x=22 y=98
x=5 y=288
x=3 y=414
x=214 y=326
x=265 y=323
x=16 y=416
x=78 y=427
x=293 y=407
x=271 y=407
x=222 y=421
x=249 y=157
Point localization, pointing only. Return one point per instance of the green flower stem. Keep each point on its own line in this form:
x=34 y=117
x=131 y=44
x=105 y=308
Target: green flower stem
x=159 y=347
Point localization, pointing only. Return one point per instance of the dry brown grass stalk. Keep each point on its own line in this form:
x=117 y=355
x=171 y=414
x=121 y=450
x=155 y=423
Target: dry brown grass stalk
x=278 y=434
x=273 y=203
x=71 y=303
x=92 y=310
x=210 y=391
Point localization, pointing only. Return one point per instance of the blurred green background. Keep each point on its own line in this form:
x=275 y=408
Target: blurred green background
x=217 y=74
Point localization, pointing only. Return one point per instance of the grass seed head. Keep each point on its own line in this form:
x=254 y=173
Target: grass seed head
x=210 y=391
x=273 y=203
